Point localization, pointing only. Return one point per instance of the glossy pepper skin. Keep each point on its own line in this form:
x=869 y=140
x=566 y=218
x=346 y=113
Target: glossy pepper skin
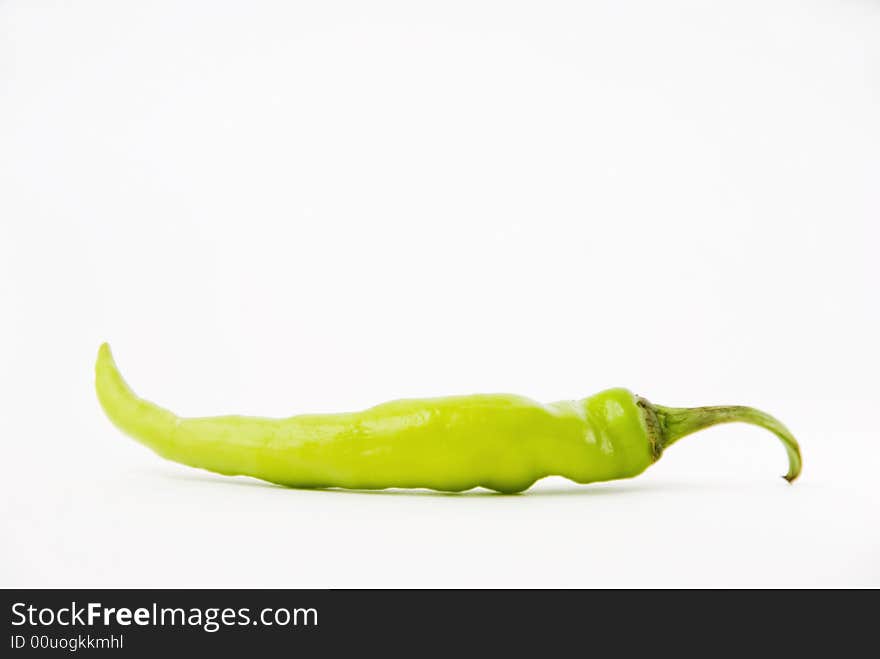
x=498 y=441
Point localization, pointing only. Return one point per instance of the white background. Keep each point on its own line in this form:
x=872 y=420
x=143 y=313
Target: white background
x=272 y=208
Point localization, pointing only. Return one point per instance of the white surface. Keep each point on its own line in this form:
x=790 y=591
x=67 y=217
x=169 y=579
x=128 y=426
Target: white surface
x=272 y=208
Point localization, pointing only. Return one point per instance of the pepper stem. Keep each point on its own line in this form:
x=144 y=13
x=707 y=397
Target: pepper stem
x=667 y=425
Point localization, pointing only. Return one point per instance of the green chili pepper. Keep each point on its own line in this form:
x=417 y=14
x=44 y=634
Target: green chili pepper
x=499 y=441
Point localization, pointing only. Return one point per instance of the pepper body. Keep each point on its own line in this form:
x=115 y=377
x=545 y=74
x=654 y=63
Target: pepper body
x=498 y=441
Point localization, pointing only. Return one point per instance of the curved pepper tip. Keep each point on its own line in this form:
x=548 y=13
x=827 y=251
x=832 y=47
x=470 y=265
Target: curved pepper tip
x=104 y=360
